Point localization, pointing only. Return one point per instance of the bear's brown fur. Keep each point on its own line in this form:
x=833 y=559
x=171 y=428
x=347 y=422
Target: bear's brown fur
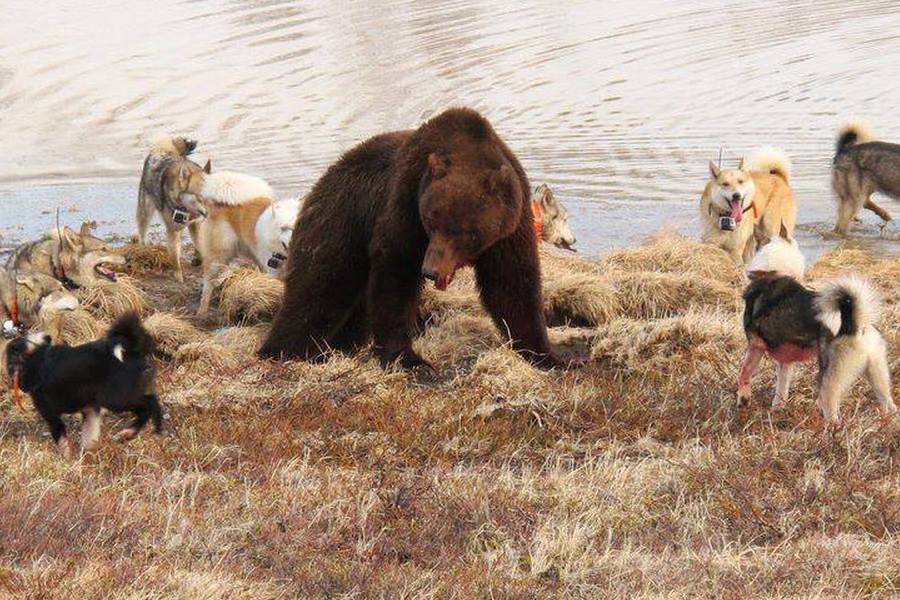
x=399 y=207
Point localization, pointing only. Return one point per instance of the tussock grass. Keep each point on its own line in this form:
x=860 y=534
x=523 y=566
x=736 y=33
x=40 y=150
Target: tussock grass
x=634 y=476
x=71 y=327
x=171 y=332
x=249 y=297
x=141 y=260
x=108 y=301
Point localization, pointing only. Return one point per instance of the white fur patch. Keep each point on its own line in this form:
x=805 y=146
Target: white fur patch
x=782 y=257
x=119 y=352
x=36 y=339
x=866 y=303
x=229 y=187
x=768 y=159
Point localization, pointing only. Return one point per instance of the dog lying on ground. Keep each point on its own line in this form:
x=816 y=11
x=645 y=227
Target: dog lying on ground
x=115 y=373
x=792 y=323
x=862 y=167
x=171 y=185
x=235 y=204
x=551 y=219
x=24 y=297
x=734 y=201
x=74 y=259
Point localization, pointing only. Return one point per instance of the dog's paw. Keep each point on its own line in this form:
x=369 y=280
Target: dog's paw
x=778 y=402
x=126 y=435
x=743 y=396
x=65 y=447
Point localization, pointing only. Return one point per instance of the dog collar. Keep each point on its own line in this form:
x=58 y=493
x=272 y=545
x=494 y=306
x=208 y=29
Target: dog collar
x=16 y=389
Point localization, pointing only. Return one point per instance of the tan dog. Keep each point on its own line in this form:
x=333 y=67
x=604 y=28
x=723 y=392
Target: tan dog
x=170 y=185
x=735 y=200
x=234 y=202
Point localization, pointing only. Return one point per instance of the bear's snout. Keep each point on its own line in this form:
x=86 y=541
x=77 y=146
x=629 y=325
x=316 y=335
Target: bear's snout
x=441 y=262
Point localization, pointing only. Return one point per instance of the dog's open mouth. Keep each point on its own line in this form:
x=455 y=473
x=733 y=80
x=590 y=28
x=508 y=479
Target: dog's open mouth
x=105 y=270
x=566 y=246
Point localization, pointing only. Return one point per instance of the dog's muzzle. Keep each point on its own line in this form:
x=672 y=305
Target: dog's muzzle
x=276 y=260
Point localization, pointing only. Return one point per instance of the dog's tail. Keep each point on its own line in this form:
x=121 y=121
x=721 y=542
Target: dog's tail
x=768 y=160
x=130 y=332
x=848 y=305
x=173 y=145
x=854 y=131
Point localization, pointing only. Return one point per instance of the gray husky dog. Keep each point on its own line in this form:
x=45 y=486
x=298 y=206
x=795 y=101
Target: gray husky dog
x=862 y=167
x=171 y=185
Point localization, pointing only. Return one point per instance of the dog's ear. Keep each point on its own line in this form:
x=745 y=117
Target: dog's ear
x=207 y=168
x=546 y=196
x=714 y=170
x=69 y=238
x=87 y=228
x=741 y=164
x=25 y=281
x=784 y=233
x=762 y=238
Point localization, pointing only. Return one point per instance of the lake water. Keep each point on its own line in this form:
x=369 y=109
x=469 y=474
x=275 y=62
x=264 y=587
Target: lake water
x=617 y=105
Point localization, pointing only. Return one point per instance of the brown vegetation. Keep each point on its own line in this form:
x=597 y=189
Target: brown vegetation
x=634 y=476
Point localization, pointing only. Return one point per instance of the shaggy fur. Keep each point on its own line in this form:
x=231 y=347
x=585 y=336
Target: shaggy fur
x=115 y=373
x=863 y=166
x=791 y=323
x=758 y=192
x=403 y=206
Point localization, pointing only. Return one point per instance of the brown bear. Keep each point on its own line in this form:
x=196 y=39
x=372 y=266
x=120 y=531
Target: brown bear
x=399 y=207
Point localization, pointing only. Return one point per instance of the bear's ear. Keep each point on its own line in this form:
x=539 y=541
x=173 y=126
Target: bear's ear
x=437 y=165
x=500 y=181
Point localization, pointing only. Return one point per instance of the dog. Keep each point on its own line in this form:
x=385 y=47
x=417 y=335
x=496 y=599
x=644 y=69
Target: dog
x=25 y=298
x=551 y=219
x=74 y=259
x=235 y=202
x=171 y=186
x=115 y=373
x=862 y=167
x=791 y=323
x=734 y=201
x=274 y=230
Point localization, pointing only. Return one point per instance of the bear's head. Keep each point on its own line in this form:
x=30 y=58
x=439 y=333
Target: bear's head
x=465 y=208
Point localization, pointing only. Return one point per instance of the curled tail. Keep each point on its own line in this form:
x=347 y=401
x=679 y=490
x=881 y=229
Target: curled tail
x=768 y=160
x=848 y=305
x=129 y=331
x=854 y=131
x=172 y=145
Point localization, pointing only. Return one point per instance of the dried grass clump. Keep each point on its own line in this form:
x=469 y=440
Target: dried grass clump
x=679 y=345
x=71 y=327
x=145 y=260
x=884 y=272
x=503 y=371
x=580 y=299
x=206 y=357
x=458 y=338
x=109 y=301
x=242 y=341
x=171 y=332
x=249 y=296
x=460 y=297
x=649 y=295
x=668 y=252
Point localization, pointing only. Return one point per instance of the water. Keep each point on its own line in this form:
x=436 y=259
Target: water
x=617 y=105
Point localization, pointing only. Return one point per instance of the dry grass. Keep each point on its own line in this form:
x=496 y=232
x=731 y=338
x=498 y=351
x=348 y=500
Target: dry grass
x=249 y=297
x=141 y=260
x=71 y=327
x=634 y=476
x=108 y=301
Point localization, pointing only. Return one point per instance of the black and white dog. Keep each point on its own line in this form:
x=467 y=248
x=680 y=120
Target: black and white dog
x=115 y=372
x=792 y=323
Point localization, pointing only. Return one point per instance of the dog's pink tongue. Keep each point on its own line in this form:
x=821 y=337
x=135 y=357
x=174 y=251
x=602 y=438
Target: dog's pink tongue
x=737 y=211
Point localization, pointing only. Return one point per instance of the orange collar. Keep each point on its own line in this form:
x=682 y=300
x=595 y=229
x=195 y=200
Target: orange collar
x=538 y=213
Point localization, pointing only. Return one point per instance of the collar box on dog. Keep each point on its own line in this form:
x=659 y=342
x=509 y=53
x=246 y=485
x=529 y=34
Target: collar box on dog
x=179 y=216
x=727 y=223
x=275 y=260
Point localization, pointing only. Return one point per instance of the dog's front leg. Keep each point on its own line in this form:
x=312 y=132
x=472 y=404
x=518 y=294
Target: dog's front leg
x=90 y=429
x=784 y=372
x=748 y=368
x=174 y=237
